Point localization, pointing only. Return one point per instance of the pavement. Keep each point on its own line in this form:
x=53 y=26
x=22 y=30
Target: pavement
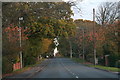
x=64 y=68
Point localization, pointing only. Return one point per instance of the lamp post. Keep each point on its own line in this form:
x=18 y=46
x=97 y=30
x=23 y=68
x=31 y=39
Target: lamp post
x=94 y=48
x=20 y=19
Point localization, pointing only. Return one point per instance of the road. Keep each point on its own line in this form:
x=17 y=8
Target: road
x=66 y=68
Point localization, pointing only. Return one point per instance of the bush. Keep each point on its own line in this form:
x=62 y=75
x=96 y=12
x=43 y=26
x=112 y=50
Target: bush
x=7 y=65
x=112 y=60
x=118 y=63
x=29 y=60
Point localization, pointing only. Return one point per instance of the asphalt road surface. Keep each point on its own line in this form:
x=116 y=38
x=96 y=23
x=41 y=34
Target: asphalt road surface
x=65 y=68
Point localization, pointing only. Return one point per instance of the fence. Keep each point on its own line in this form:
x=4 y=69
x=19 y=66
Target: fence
x=16 y=66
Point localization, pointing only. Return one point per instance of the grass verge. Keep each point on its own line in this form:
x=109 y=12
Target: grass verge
x=113 y=69
x=78 y=60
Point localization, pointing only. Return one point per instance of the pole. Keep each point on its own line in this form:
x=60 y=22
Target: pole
x=70 y=49
x=20 y=45
x=83 y=46
x=94 y=49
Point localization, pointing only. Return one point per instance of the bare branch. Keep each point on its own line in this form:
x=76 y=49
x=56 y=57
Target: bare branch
x=108 y=13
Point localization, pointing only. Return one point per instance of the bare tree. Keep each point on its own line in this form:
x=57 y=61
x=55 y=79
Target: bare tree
x=108 y=12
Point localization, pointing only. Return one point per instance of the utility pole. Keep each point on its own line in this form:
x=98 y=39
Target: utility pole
x=20 y=19
x=83 y=45
x=70 y=49
x=94 y=45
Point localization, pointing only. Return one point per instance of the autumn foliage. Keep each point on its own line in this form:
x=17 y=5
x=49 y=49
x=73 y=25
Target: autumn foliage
x=13 y=33
x=105 y=38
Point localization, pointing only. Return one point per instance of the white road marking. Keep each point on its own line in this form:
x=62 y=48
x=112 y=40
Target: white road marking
x=76 y=76
x=69 y=70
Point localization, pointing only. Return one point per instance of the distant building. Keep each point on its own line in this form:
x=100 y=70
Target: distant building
x=55 y=51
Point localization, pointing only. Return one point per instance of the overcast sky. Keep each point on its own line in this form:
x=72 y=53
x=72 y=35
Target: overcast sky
x=86 y=7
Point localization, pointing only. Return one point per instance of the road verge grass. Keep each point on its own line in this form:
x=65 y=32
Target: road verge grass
x=26 y=68
x=113 y=69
